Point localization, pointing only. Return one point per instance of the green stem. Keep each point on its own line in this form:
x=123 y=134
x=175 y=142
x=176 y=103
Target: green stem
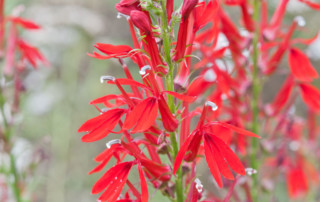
x=255 y=98
x=170 y=87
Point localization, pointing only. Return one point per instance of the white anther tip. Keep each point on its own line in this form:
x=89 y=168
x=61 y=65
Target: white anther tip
x=300 y=21
x=250 y=171
x=144 y=69
x=213 y=105
x=107 y=78
x=113 y=142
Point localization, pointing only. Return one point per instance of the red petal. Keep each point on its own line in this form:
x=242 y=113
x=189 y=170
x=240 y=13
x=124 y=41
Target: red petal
x=214 y=152
x=311 y=4
x=95 y=122
x=129 y=82
x=282 y=97
x=116 y=184
x=142 y=116
x=143 y=184
x=233 y=128
x=229 y=155
x=212 y=164
x=25 y=23
x=185 y=98
x=102 y=127
x=170 y=123
x=112 y=177
x=113 y=49
x=310 y=95
x=301 y=66
x=101 y=165
x=182 y=152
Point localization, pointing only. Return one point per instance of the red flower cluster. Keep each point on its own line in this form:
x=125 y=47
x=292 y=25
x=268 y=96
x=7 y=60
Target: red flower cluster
x=163 y=105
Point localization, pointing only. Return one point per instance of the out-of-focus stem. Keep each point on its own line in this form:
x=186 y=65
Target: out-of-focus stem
x=255 y=97
x=7 y=135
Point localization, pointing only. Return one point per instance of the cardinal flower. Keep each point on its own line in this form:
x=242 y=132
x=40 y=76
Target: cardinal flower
x=218 y=155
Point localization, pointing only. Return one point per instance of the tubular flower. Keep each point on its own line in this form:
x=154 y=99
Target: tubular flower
x=184 y=30
x=142 y=22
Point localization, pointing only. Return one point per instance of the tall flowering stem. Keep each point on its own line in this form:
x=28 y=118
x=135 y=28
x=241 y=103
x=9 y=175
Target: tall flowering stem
x=187 y=110
x=16 y=55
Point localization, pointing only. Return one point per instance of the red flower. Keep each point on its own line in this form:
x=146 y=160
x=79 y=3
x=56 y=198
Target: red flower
x=187 y=7
x=301 y=66
x=296 y=181
x=310 y=95
x=100 y=126
x=281 y=98
x=218 y=154
x=31 y=54
x=113 y=181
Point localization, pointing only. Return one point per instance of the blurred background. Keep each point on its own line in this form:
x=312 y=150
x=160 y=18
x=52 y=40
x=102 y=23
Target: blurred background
x=56 y=102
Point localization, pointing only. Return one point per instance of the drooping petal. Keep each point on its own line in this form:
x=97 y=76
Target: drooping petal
x=213 y=152
x=231 y=127
x=312 y=4
x=297 y=182
x=99 y=127
x=113 y=49
x=281 y=98
x=27 y=24
x=170 y=123
x=112 y=176
x=31 y=54
x=182 y=152
x=310 y=95
x=95 y=122
x=185 y=98
x=231 y=158
x=158 y=171
x=113 y=182
x=142 y=116
x=301 y=66
x=143 y=184
x=193 y=148
x=212 y=164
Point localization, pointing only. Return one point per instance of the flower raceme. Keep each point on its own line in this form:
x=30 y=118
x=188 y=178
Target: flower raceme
x=153 y=115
